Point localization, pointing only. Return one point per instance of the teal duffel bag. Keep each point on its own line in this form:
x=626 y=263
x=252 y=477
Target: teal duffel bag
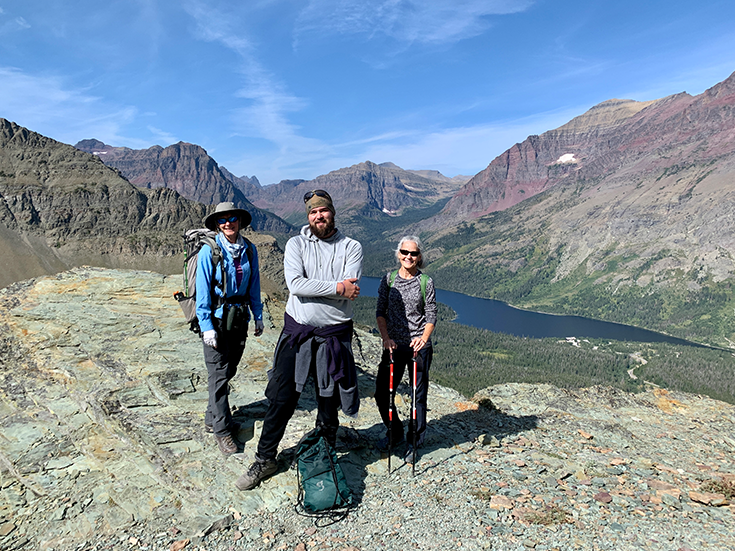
x=323 y=488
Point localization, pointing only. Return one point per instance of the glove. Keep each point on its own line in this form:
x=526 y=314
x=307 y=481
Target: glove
x=259 y=328
x=210 y=338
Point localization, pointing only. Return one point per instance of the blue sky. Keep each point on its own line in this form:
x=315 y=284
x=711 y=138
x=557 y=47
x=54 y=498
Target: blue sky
x=296 y=88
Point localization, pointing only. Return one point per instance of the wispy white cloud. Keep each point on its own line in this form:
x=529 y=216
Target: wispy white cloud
x=270 y=107
x=14 y=25
x=452 y=151
x=407 y=21
x=161 y=136
x=45 y=104
x=459 y=149
x=269 y=104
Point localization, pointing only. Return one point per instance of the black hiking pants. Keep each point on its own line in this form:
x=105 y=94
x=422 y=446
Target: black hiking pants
x=402 y=361
x=283 y=398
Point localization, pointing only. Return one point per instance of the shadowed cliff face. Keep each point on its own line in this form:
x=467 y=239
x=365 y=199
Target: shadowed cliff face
x=185 y=168
x=61 y=207
x=102 y=398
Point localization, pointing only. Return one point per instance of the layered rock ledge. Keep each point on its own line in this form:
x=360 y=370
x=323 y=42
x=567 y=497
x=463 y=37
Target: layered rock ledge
x=102 y=395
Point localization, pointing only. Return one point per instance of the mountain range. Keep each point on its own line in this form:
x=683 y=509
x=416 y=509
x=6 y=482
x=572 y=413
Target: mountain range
x=187 y=169
x=364 y=189
x=625 y=213
x=61 y=207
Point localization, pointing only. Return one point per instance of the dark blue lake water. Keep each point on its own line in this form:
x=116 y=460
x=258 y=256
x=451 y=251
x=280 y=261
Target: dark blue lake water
x=502 y=318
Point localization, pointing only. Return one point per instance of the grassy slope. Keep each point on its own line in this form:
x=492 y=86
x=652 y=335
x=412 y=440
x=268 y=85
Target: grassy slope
x=520 y=269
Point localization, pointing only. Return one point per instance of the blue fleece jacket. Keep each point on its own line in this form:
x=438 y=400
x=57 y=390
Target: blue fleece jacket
x=205 y=272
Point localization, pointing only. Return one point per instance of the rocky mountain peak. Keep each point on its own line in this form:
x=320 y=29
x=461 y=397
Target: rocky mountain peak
x=607 y=137
x=62 y=207
x=381 y=187
x=92 y=146
x=187 y=169
x=721 y=90
x=605 y=115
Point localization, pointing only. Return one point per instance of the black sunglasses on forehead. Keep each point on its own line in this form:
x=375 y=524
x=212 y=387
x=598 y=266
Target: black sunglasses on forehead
x=318 y=192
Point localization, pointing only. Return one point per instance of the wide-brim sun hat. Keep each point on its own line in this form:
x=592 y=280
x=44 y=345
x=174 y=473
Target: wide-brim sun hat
x=227 y=207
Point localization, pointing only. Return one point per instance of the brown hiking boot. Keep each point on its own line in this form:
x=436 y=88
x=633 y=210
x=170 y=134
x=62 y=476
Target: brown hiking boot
x=234 y=428
x=258 y=471
x=226 y=444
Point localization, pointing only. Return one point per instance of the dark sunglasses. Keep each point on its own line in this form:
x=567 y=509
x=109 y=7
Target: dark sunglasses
x=232 y=219
x=318 y=192
x=404 y=252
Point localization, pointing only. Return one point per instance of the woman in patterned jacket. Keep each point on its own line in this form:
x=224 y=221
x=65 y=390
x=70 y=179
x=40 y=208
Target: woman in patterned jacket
x=406 y=317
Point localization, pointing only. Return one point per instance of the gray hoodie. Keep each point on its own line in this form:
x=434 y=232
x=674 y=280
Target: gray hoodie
x=313 y=267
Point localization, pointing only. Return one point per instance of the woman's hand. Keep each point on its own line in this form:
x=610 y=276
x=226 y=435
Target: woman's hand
x=417 y=343
x=259 y=328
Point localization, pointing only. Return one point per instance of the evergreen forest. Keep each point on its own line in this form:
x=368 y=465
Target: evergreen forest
x=469 y=359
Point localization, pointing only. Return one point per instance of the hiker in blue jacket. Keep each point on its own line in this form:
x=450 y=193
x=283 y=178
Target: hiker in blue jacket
x=224 y=323
x=406 y=317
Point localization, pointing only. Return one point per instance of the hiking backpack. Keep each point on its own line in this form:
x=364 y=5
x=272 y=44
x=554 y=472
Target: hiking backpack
x=323 y=489
x=193 y=241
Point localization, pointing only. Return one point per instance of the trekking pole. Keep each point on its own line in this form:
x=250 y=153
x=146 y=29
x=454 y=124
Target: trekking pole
x=413 y=414
x=391 y=402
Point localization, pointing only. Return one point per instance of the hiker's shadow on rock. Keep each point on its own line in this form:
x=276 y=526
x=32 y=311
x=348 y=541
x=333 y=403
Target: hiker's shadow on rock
x=246 y=415
x=353 y=444
x=483 y=425
x=447 y=437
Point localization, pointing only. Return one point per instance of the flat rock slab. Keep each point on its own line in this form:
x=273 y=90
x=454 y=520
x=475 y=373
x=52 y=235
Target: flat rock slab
x=102 y=399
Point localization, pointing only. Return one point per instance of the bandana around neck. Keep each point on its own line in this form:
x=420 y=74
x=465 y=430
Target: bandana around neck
x=235 y=249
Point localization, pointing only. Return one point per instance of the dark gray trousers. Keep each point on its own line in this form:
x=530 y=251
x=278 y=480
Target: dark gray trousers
x=402 y=362
x=221 y=368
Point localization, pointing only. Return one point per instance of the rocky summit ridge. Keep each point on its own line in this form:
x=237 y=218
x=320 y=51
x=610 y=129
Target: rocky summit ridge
x=614 y=140
x=367 y=188
x=187 y=169
x=102 y=395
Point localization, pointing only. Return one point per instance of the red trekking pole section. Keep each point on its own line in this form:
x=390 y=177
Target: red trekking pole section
x=390 y=411
x=413 y=415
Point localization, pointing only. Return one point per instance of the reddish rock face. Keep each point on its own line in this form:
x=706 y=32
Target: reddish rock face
x=612 y=137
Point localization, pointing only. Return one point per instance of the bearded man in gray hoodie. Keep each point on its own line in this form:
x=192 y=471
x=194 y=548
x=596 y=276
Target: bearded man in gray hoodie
x=322 y=268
